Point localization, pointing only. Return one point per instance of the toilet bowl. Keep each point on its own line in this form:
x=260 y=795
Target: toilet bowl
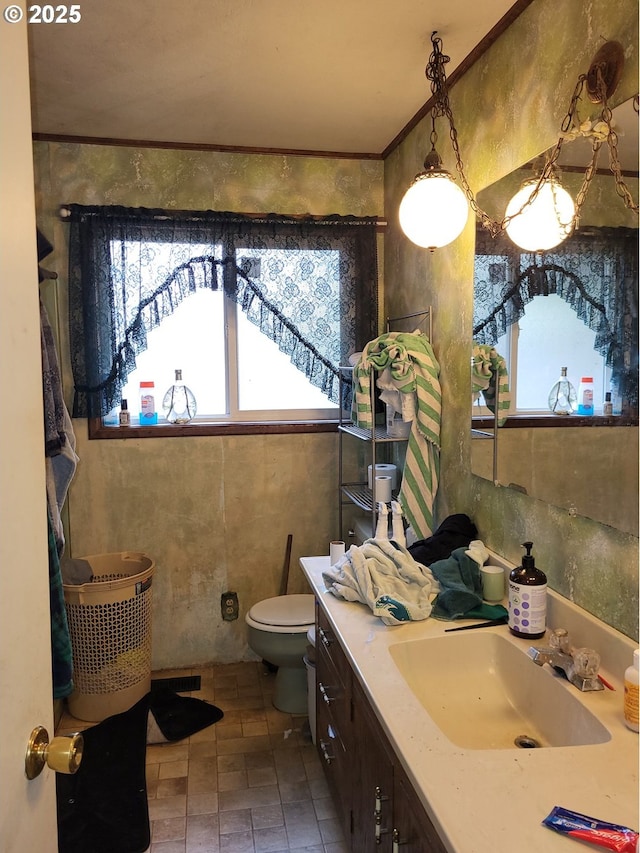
x=278 y=634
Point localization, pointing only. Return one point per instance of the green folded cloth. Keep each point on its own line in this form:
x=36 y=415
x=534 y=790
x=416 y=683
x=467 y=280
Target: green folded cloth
x=485 y=611
x=460 y=595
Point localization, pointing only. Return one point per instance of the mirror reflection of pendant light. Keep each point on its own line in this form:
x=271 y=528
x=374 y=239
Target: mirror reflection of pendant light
x=538 y=221
x=434 y=209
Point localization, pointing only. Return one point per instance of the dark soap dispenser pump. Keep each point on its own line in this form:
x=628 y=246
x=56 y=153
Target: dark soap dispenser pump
x=527 y=598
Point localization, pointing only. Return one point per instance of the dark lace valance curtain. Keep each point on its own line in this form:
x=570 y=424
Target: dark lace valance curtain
x=309 y=285
x=595 y=271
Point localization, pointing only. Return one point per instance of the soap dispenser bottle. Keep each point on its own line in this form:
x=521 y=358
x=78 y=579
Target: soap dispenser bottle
x=527 y=598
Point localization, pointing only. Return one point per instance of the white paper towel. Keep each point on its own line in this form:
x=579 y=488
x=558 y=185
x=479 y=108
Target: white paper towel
x=383 y=470
x=382 y=490
x=336 y=550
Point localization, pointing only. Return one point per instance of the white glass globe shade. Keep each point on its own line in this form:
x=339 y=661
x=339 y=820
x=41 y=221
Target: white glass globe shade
x=545 y=222
x=434 y=210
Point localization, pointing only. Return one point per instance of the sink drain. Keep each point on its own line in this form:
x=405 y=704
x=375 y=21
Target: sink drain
x=526 y=742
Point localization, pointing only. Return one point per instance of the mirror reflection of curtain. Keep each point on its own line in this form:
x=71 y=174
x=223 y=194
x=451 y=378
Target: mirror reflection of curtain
x=295 y=278
x=595 y=271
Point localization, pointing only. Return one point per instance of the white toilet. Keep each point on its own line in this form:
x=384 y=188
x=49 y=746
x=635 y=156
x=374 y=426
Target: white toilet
x=278 y=633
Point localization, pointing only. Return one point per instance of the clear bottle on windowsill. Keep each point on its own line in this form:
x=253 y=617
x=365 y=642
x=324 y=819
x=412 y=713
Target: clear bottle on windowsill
x=124 y=418
x=179 y=404
x=562 y=397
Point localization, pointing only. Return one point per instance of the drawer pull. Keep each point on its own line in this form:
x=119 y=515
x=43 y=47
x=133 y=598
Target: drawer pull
x=380 y=831
x=380 y=799
x=324 y=694
x=328 y=757
x=324 y=637
x=396 y=841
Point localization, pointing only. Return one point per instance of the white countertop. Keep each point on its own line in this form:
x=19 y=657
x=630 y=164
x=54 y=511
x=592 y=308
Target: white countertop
x=491 y=800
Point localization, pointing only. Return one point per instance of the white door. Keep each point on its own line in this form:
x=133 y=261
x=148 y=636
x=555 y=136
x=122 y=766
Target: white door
x=27 y=809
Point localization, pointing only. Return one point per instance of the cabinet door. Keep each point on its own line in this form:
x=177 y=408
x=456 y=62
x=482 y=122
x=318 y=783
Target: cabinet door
x=413 y=832
x=333 y=719
x=373 y=780
x=333 y=678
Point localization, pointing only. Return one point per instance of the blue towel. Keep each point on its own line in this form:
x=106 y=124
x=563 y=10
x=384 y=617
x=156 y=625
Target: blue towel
x=61 y=654
x=461 y=589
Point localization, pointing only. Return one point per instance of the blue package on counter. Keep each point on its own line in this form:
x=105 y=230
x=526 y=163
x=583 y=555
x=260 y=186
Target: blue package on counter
x=621 y=839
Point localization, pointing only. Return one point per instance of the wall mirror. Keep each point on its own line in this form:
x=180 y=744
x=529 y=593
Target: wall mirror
x=589 y=471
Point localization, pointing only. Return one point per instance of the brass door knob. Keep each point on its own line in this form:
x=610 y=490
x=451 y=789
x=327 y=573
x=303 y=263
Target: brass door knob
x=62 y=754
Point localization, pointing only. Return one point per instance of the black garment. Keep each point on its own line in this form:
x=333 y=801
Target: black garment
x=456 y=531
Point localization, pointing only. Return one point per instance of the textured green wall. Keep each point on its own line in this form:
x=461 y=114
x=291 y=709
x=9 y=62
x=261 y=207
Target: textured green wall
x=214 y=512
x=550 y=463
x=508 y=108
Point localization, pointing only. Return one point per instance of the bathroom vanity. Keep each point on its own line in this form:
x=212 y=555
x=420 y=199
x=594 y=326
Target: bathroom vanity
x=400 y=774
x=373 y=795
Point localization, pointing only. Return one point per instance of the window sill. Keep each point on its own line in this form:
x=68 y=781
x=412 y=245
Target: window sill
x=539 y=421
x=97 y=430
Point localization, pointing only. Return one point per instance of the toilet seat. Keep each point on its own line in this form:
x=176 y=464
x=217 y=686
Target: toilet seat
x=284 y=614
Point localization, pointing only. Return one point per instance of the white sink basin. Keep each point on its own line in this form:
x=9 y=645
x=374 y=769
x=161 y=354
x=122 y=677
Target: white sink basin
x=483 y=692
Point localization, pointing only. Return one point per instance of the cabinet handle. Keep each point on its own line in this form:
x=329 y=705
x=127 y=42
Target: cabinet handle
x=396 y=841
x=328 y=757
x=326 y=640
x=324 y=694
x=380 y=799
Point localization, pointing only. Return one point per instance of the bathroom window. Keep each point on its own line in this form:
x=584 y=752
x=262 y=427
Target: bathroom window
x=235 y=371
x=547 y=337
x=257 y=312
x=574 y=306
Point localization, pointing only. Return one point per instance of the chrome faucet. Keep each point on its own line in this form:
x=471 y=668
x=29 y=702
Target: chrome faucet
x=579 y=666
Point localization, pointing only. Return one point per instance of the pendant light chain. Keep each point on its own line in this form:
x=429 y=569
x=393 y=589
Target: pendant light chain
x=435 y=73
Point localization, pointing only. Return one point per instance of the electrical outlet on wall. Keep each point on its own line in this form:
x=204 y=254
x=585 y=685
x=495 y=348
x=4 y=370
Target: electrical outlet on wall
x=229 y=606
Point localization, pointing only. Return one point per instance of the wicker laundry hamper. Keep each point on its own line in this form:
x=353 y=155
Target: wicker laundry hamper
x=110 y=626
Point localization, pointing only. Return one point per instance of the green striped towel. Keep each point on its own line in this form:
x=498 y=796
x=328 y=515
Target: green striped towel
x=486 y=365
x=413 y=370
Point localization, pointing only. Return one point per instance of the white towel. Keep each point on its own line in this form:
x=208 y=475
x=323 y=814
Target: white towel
x=384 y=576
x=477 y=551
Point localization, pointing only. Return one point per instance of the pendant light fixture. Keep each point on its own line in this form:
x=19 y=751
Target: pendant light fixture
x=434 y=209
x=540 y=223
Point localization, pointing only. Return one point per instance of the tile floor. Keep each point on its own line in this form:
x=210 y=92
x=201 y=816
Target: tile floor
x=251 y=783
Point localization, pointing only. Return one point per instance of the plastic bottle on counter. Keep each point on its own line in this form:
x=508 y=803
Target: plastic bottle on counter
x=631 y=679
x=585 y=396
x=148 y=414
x=527 y=598
x=607 y=409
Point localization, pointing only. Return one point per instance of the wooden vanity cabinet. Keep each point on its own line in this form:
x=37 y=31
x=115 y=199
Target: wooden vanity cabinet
x=413 y=831
x=333 y=716
x=372 y=796
x=378 y=806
